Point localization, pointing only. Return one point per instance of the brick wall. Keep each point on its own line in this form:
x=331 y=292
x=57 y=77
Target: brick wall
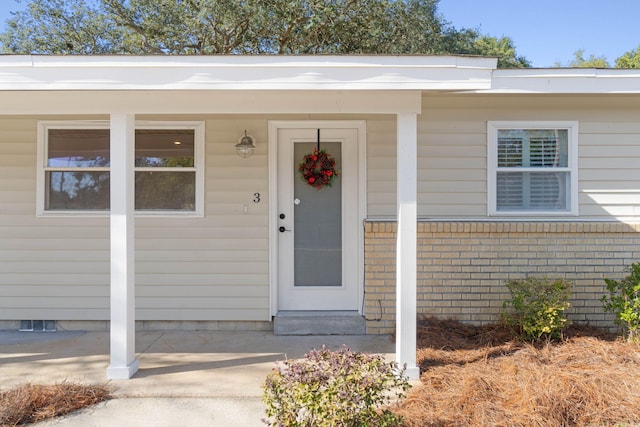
x=462 y=266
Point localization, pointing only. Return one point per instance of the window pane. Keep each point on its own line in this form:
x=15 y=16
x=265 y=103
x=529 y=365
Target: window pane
x=532 y=191
x=77 y=191
x=509 y=152
x=533 y=148
x=78 y=148
x=165 y=148
x=543 y=152
x=548 y=191
x=509 y=191
x=166 y=191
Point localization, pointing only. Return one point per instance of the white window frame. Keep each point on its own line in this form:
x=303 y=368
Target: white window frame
x=199 y=165
x=572 y=167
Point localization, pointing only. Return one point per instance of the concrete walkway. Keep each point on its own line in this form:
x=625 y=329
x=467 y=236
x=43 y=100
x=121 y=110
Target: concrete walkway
x=185 y=378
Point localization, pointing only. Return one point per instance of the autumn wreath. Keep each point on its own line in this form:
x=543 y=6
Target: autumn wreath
x=318 y=169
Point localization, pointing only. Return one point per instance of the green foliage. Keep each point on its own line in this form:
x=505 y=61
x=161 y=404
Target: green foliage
x=630 y=59
x=207 y=27
x=579 y=61
x=537 y=305
x=624 y=301
x=61 y=27
x=334 y=388
x=502 y=48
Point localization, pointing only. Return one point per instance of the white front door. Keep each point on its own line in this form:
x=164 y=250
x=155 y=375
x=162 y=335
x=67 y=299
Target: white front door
x=318 y=230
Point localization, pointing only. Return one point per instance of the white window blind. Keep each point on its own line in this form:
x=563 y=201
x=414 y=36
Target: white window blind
x=531 y=171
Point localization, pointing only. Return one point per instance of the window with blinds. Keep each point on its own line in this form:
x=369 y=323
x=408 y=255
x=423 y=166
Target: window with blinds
x=530 y=169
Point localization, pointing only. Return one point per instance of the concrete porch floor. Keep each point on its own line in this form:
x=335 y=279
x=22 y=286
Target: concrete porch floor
x=186 y=378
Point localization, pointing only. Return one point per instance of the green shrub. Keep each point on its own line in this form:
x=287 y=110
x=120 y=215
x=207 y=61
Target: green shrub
x=624 y=301
x=537 y=306
x=334 y=388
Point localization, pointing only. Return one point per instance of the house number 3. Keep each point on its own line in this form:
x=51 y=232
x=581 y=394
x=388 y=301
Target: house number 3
x=256 y=198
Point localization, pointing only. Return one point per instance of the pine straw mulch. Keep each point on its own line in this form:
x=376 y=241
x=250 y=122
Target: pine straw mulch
x=31 y=403
x=480 y=376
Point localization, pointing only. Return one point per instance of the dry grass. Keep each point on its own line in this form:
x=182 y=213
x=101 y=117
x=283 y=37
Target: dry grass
x=480 y=377
x=31 y=403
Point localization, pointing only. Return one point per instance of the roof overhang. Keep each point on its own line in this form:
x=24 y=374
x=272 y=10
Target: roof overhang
x=565 y=81
x=43 y=84
x=242 y=73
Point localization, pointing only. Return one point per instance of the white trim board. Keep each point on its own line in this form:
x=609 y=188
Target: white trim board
x=274 y=126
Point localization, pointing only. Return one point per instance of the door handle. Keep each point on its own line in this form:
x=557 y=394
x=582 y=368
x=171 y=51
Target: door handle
x=282 y=229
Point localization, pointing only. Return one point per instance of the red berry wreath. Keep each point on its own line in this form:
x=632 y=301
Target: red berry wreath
x=318 y=169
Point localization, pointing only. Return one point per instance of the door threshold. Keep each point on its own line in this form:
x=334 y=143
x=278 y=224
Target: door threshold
x=315 y=322
x=317 y=313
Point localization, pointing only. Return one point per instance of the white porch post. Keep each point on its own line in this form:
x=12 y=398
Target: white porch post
x=407 y=176
x=123 y=362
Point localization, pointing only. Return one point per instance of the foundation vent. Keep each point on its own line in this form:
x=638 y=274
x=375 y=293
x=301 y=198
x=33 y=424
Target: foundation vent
x=37 y=325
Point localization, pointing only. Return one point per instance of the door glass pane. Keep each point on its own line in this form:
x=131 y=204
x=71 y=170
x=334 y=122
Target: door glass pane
x=317 y=224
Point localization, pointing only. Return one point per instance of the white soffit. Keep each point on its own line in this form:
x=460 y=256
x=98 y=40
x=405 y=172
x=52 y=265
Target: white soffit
x=565 y=81
x=245 y=72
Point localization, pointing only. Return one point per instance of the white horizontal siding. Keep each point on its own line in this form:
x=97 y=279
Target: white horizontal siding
x=187 y=314
x=14 y=282
x=33 y=291
x=452 y=153
x=204 y=291
x=609 y=171
x=34 y=302
x=56 y=309
x=205 y=268
x=46 y=269
x=381 y=167
x=238 y=303
x=216 y=267
x=202 y=280
x=211 y=268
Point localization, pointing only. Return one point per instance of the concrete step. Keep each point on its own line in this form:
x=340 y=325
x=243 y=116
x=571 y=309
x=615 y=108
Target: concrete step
x=319 y=323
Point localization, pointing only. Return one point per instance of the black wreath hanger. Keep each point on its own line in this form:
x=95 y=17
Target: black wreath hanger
x=318 y=169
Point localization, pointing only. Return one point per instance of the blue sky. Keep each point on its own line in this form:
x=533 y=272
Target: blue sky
x=549 y=31
x=544 y=31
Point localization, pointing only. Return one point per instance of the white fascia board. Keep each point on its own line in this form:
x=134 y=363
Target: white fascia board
x=245 y=72
x=566 y=81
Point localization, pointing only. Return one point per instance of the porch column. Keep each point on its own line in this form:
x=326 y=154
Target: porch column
x=407 y=176
x=123 y=362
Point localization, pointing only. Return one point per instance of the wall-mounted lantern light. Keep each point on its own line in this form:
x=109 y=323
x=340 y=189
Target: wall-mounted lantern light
x=246 y=146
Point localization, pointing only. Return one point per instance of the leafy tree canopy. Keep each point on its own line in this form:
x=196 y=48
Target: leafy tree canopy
x=206 y=27
x=630 y=59
x=579 y=61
